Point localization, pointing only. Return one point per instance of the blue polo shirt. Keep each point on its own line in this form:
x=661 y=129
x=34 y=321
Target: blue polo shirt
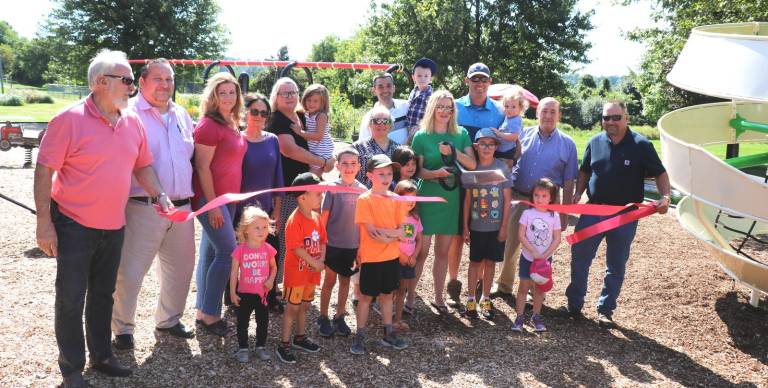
x=617 y=171
x=552 y=157
x=474 y=117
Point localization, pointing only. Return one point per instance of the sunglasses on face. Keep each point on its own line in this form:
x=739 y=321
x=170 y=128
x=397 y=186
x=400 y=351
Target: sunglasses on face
x=127 y=81
x=479 y=79
x=256 y=112
x=288 y=94
x=613 y=117
x=380 y=121
x=444 y=108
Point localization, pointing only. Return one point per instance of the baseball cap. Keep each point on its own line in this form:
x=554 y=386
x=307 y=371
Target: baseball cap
x=426 y=62
x=478 y=68
x=541 y=274
x=379 y=161
x=304 y=179
x=486 y=133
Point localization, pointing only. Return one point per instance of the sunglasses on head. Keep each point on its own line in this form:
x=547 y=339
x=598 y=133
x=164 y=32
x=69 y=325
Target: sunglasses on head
x=613 y=117
x=381 y=121
x=125 y=80
x=256 y=112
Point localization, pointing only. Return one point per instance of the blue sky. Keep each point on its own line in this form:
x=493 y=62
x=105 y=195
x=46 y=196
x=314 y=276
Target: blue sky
x=257 y=32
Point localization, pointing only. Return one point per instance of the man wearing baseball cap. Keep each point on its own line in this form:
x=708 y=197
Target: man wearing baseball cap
x=474 y=111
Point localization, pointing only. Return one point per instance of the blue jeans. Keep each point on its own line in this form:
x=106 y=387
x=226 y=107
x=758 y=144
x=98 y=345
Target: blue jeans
x=618 y=242
x=215 y=261
x=86 y=270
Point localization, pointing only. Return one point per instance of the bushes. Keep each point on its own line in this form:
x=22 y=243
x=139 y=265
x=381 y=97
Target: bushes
x=190 y=102
x=10 y=100
x=33 y=97
x=344 y=118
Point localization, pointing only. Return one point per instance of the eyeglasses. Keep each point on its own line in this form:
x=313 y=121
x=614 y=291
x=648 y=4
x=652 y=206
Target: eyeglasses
x=479 y=79
x=444 y=108
x=487 y=145
x=127 y=81
x=290 y=94
x=256 y=112
x=381 y=121
x=613 y=117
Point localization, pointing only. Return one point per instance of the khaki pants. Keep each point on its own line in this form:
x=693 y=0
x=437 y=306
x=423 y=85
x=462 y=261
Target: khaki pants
x=148 y=235
x=506 y=279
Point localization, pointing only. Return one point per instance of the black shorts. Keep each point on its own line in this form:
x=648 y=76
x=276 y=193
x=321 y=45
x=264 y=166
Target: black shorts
x=485 y=246
x=380 y=278
x=505 y=154
x=407 y=272
x=341 y=260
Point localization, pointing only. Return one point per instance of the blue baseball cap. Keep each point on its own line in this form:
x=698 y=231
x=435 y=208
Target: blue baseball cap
x=478 y=68
x=486 y=133
x=426 y=62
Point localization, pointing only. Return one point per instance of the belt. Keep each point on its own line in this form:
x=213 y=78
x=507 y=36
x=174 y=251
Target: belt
x=175 y=202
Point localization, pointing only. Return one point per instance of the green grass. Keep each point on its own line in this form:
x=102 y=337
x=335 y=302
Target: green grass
x=34 y=112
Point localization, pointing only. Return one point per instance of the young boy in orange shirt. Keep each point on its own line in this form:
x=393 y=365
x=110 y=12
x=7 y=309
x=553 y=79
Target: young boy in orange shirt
x=379 y=218
x=305 y=241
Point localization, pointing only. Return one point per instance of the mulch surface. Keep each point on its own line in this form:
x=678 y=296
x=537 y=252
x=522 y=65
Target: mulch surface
x=681 y=321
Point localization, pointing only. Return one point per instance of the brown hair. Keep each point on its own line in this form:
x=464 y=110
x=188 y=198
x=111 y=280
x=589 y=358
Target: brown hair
x=320 y=90
x=209 y=103
x=546 y=184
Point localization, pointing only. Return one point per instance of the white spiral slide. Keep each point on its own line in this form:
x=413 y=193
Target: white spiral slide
x=729 y=61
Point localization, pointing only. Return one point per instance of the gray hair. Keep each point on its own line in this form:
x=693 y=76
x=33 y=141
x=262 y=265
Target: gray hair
x=104 y=62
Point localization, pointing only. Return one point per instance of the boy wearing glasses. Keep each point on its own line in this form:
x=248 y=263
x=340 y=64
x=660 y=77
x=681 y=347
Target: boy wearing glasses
x=486 y=216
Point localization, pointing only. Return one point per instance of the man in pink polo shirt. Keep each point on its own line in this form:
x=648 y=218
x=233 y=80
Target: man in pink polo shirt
x=83 y=175
x=169 y=135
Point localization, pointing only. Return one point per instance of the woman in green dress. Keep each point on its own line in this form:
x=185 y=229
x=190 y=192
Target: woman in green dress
x=439 y=219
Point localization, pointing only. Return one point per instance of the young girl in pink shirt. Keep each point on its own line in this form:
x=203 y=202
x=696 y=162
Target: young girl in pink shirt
x=252 y=276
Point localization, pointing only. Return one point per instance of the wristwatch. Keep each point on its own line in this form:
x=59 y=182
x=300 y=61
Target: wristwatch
x=157 y=199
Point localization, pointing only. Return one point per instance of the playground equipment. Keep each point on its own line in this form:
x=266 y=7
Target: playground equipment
x=722 y=202
x=25 y=135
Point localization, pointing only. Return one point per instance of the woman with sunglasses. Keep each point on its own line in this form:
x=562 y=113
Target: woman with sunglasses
x=262 y=168
x=218 y=160
x=440 y=220
x=380 y=123
x=287 y=115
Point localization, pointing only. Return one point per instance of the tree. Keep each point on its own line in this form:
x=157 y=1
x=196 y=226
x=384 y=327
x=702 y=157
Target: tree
x=9 y=44
x=32 y=62
x=78 y=29
x=605 y=88
x=587 y=86
x=531 y=42
x=676 y=19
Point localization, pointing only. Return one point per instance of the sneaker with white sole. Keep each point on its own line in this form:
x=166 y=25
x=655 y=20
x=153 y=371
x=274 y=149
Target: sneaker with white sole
x=305 y=344
x=242 y=355
x=537 y=321
x=263 y=354
x=394 y=341
x=519 y=322
x=285 y=354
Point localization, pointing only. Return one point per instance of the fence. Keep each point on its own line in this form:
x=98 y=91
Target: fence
x=67 y=90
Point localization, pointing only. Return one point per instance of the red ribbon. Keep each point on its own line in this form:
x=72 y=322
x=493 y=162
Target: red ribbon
x=178 y=215
x=643 y=210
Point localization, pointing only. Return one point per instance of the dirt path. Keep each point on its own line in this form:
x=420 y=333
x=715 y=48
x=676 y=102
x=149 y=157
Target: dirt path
x=682 y=322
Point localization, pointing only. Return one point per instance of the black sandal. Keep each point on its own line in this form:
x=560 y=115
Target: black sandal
x=441 y=309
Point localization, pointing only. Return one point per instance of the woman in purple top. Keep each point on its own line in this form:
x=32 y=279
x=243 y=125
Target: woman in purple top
x=219 y=150
x=262 y=168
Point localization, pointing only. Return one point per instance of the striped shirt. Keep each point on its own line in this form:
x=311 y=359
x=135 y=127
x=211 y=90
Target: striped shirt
x=324 y=147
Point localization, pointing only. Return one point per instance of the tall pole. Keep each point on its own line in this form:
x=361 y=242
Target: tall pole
x=2 y=87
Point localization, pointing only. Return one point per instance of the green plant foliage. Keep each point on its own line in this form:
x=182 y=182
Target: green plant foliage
x=10 y=100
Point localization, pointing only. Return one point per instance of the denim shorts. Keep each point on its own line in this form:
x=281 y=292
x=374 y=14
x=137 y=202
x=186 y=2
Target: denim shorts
x=524 y=269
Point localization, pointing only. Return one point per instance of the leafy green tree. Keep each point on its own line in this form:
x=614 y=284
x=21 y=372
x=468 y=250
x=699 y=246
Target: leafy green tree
x=675 y=21
x=587 y=86
x=78 y=29
x=531 y=42
x=32 y=62
x=605 y=87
